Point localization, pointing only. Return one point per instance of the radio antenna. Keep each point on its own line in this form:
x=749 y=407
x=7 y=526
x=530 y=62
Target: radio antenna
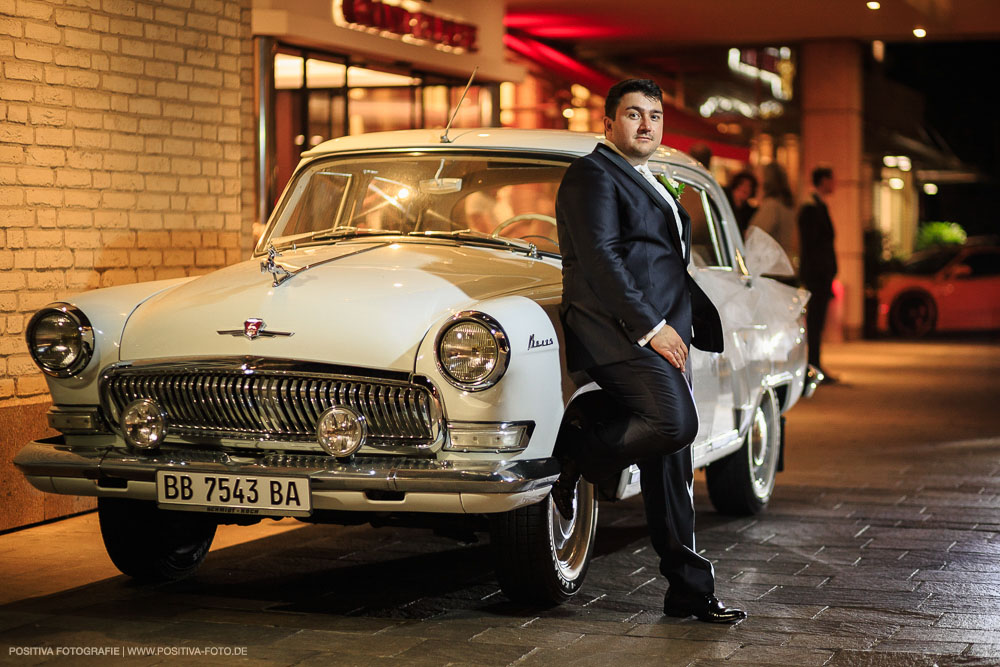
x=444 y=137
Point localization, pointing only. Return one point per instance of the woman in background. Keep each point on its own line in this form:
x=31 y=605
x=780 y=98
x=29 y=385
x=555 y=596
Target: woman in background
x=776 y=213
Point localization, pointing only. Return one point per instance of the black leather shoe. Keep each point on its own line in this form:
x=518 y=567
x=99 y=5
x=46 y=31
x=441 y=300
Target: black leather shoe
x=707 y=608
x=564 y=490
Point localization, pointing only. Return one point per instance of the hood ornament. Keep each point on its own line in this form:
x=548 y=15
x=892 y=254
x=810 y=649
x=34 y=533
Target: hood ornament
x=253 y=327
x=280 y=273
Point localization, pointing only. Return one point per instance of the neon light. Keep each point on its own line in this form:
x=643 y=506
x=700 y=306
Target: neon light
x=737 y=65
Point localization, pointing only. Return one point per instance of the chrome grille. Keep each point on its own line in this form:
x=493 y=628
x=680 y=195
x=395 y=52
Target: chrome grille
x=243 y=403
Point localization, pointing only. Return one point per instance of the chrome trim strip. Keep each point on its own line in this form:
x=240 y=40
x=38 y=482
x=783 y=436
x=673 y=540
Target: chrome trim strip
x=52 y=458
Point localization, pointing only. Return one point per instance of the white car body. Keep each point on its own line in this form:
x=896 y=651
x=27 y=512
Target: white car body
x=378 y=305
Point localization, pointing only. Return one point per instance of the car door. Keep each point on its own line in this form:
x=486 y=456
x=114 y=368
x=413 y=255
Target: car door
x=970 y=298
x=711 y=266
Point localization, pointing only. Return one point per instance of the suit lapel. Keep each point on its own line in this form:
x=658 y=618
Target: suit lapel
x=648 y=188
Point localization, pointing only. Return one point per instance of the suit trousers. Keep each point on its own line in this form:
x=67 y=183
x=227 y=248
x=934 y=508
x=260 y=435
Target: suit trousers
x=819 y=302
x=654 y=429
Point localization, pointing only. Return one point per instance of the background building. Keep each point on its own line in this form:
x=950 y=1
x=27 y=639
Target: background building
x=142 y=140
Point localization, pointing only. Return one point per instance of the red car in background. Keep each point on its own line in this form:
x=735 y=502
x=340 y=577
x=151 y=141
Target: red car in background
x=955 y=288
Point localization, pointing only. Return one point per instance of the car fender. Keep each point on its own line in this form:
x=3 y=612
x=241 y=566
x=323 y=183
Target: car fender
x=108 y=310
x=530 y=390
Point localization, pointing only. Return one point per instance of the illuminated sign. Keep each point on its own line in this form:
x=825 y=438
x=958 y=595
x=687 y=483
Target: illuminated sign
x=404 y=20
x=722 y=104
x=772 y=66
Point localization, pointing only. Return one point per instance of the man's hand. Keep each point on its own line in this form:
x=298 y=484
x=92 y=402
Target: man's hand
x=668 y=344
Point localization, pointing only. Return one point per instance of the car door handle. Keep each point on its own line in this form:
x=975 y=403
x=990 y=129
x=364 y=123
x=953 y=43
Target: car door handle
x=747 y=280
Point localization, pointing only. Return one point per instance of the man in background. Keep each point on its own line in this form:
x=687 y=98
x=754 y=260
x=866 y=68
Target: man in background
x=817 y=260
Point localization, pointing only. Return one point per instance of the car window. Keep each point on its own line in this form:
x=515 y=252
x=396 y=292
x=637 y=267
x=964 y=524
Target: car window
x=403 y=193
x=708 y=246
x=983 y=264
x=320 y=204
x=927 y=262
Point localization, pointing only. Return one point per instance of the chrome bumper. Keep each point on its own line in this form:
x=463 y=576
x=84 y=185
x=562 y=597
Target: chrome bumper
x=106 y=466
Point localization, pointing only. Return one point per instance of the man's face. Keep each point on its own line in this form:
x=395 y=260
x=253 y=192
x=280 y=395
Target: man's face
x=637 y=127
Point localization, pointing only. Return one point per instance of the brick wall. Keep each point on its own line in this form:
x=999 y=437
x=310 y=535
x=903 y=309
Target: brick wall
x=126 y=154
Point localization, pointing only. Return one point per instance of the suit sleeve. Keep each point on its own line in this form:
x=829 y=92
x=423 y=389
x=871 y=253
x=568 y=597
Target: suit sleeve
x=589 y=207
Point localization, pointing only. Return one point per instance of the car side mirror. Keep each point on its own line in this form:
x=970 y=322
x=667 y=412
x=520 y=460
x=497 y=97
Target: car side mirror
x=959 y=271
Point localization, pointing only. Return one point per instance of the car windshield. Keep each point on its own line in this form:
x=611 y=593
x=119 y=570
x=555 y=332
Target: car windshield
x=928 y=262
x=462 y=195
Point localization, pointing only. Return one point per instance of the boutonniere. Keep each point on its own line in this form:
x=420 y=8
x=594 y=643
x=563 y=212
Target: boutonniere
x=675 y=188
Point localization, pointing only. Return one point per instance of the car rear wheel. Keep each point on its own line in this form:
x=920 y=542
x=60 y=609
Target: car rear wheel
x=912 y=315
x=741 y=484
x=540 y=557
x=151 y=544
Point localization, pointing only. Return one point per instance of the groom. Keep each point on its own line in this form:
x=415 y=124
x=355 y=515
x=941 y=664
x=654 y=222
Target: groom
x=630 y=312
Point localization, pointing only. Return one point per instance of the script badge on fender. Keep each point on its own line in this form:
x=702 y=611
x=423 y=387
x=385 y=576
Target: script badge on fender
x=253 y=327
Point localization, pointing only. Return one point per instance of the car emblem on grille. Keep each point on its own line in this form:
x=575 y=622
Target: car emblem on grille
x=253 y=327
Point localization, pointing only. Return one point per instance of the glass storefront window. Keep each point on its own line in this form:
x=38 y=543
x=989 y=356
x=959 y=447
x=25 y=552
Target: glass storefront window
x=322 y=96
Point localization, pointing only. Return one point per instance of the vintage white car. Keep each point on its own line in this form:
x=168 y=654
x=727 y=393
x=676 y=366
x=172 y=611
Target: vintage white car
x=391 y=354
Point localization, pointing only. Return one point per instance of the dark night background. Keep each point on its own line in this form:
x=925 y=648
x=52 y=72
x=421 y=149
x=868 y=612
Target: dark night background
x=958 y=81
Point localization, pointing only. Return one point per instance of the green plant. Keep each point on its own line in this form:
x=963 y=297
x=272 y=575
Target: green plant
x=939 y=233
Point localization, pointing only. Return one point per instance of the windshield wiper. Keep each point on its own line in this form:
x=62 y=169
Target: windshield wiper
x=351 y=232
x=483 y=238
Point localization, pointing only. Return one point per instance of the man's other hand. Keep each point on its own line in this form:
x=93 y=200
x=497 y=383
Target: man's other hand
x=668 y=344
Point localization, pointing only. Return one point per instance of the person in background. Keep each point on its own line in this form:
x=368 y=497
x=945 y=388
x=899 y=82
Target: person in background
x=817 y=260
x=740 y=191
x=776 y=212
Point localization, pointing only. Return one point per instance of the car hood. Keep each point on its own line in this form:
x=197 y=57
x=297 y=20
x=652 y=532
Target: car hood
x=361 y=303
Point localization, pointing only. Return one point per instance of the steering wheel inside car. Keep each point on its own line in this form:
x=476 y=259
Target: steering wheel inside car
x=527 y=216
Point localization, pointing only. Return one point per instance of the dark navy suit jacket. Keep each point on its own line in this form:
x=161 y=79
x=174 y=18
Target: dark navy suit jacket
x=623 y=269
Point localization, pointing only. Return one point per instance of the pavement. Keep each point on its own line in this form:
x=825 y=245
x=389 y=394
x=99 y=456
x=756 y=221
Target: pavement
x=881 y=546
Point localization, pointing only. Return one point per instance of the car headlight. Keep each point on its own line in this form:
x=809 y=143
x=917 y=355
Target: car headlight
x=472 y=351
x=60 y=339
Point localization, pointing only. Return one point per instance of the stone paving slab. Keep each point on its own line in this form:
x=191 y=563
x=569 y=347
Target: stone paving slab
x=880 y=547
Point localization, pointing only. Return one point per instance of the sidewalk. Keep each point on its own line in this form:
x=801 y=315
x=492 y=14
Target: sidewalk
x=881 y=546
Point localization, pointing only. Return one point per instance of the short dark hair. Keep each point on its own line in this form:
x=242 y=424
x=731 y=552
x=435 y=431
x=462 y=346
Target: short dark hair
x=743 y=176
x=820 y=174
x=647 y=87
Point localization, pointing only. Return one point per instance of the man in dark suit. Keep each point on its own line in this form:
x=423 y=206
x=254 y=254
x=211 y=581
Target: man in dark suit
x=630 y=311
x=817 y=260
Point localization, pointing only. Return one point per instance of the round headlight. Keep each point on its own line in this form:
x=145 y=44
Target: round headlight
x=472 y=351
x=60 y=339
x=144 y=423
x=341 y=431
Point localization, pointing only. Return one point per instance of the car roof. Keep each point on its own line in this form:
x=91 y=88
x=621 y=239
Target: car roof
x=554 y=141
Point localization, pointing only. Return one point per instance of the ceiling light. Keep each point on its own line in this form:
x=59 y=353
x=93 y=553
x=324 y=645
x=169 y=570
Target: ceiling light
x=873 y=5
x=919 y=33
x=896 y=183
x=930 y=188
x=903 y=162
x=889 y=161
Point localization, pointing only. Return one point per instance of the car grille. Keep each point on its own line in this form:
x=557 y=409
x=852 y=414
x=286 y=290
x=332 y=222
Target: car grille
x=263 y=404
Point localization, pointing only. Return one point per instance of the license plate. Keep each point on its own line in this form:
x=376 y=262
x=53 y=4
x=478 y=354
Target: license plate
x=233 y=494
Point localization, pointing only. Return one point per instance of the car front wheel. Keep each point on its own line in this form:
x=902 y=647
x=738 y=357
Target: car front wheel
x=741 y=483
x=912 y=315
x=151 y=544
x=540 y=557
